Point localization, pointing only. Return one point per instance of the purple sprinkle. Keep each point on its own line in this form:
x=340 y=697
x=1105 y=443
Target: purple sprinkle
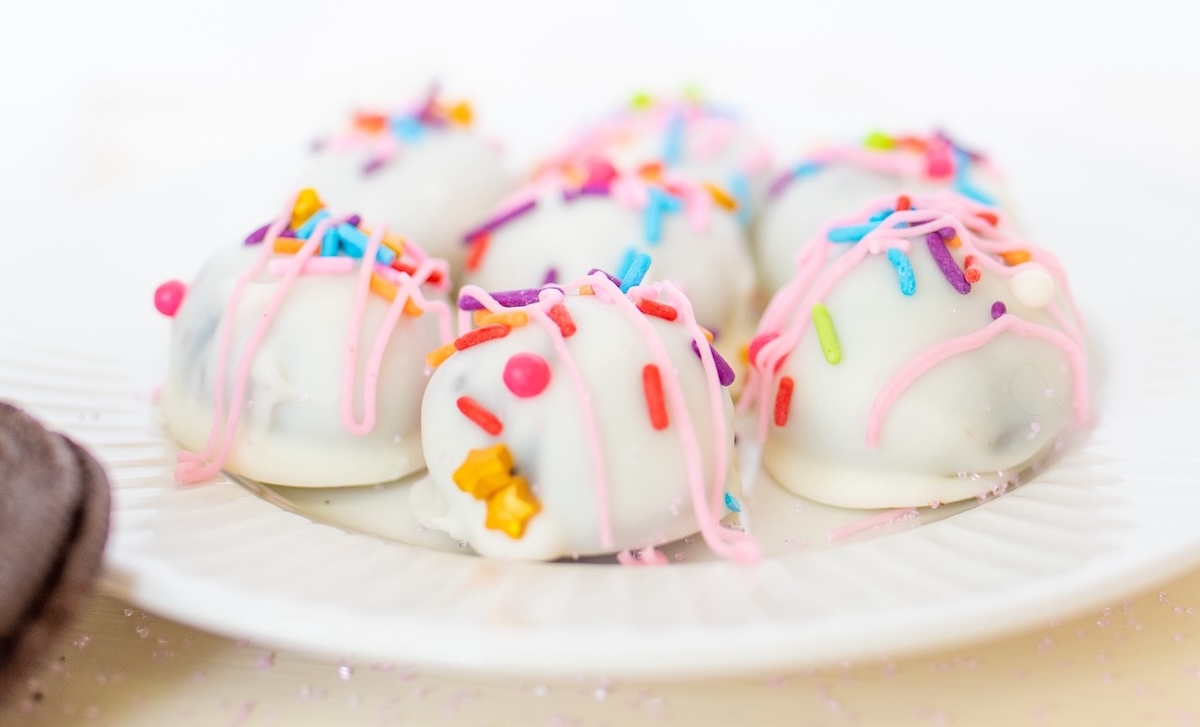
x=506 y=298
x=947 y=233
x=373 y=166
x=998 y=309
x=499 y=220
x=288 y=232
x=551 y=276
x=615 y=281
x=595 y=189
x=354 y=220
x=258 y=235
x=724 y=371
x=945 y=263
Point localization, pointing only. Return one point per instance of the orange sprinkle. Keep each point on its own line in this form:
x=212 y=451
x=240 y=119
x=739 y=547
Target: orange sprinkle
x=461 y=113
x=478 y=414
x=370 y=122
x=587 y=290
x=656 y=404
x=903 y=203
x=562 y=318
x=382 y=288
x=659 y=310
x=744 y=353
x=912 y=142
x=288 y=245
x=1016 y=257
x=651 y=171
x=480 y=335
x=954 y=242
x=989 y=217
x=708 y=336
x=723 y=199
x=438 y=356
x=783 y=400
x=479 y=246
x=512 y=319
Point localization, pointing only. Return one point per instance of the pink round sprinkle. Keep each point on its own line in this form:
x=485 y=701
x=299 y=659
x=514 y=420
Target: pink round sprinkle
x=526 y=374
x=168 y=296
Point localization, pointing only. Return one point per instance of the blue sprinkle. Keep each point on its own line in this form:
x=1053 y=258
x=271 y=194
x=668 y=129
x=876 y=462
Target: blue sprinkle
x=636 y=271
x=881 y=215
x=672 y=149
x=806 y=169
x=407 y=128
x=962 y=185
x=307 y=228
x=354 y=242
x=851 y=233
x=732 y=503
x=330 y=243
x=657 y=204
x=904 y=271
x=739 y=187
x=627 y=258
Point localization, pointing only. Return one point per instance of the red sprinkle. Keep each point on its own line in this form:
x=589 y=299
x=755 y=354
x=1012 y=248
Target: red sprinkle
x=903 y=203
x=990 y=217
x=972 y=275
x=483 y=418
x=783 y=400
x=659 y=310
x=479 y=246
x=481 y=335
x=655 y=403
x=562 y=318
x=435 y=276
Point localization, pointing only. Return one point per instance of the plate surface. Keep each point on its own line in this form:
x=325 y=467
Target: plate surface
x=1114 y=514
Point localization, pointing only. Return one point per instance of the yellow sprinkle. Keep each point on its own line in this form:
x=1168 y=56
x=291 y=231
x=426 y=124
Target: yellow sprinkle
x=462 y=114
x=744 y=353
x=641 y=100
x=721 y=197
x=484 y=472
x=826 y=334
x=708 y=336
x=1016 y=257
x=438 y=355
x=307 y=204
x=288 y=245
x=510 y=509
x=879 y=140
x=512 y=319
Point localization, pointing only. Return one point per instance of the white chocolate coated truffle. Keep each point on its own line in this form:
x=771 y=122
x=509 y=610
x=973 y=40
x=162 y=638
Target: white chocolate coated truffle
x=871 y=397
x=580 y=430
x=837 y=181
x=292 y=424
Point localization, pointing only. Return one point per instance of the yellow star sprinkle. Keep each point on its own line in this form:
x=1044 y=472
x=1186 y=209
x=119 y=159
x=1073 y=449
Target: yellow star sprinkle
x=485 y=471
x=307 y=204
x=511 y=508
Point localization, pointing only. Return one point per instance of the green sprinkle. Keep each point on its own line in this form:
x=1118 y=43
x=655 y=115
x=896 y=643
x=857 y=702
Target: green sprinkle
x=825 y=333
x=879 y=140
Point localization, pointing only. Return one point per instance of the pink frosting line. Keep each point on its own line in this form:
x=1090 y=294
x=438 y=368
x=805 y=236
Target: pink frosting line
x=875 y=521
x=315 y=266
x=227 y=333
x=926 y=360
x=192 y=471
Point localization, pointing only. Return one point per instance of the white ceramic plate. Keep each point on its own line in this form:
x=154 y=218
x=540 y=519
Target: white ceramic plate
x=1115 y=514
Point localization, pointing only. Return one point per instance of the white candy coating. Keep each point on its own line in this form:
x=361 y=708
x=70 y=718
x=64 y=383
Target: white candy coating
x=291 y=430
x=547 y=435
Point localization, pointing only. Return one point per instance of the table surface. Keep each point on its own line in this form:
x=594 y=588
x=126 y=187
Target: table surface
x=1132 y=662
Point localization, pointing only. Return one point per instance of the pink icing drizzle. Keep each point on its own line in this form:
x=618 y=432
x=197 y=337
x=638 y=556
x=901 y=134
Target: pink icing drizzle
x=813 y=281
x=728 y=543
x=192 y=467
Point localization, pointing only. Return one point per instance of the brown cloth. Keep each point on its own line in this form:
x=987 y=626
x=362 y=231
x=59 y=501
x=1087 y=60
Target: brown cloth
x=54 y=505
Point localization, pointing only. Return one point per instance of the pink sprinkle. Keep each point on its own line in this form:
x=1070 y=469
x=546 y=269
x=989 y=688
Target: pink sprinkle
x=168 y=297
x=875 y=521
x=526 y=374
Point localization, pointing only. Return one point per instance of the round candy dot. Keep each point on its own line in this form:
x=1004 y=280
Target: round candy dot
x=1033 y=288
x=526 y=374
x=168 y=296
